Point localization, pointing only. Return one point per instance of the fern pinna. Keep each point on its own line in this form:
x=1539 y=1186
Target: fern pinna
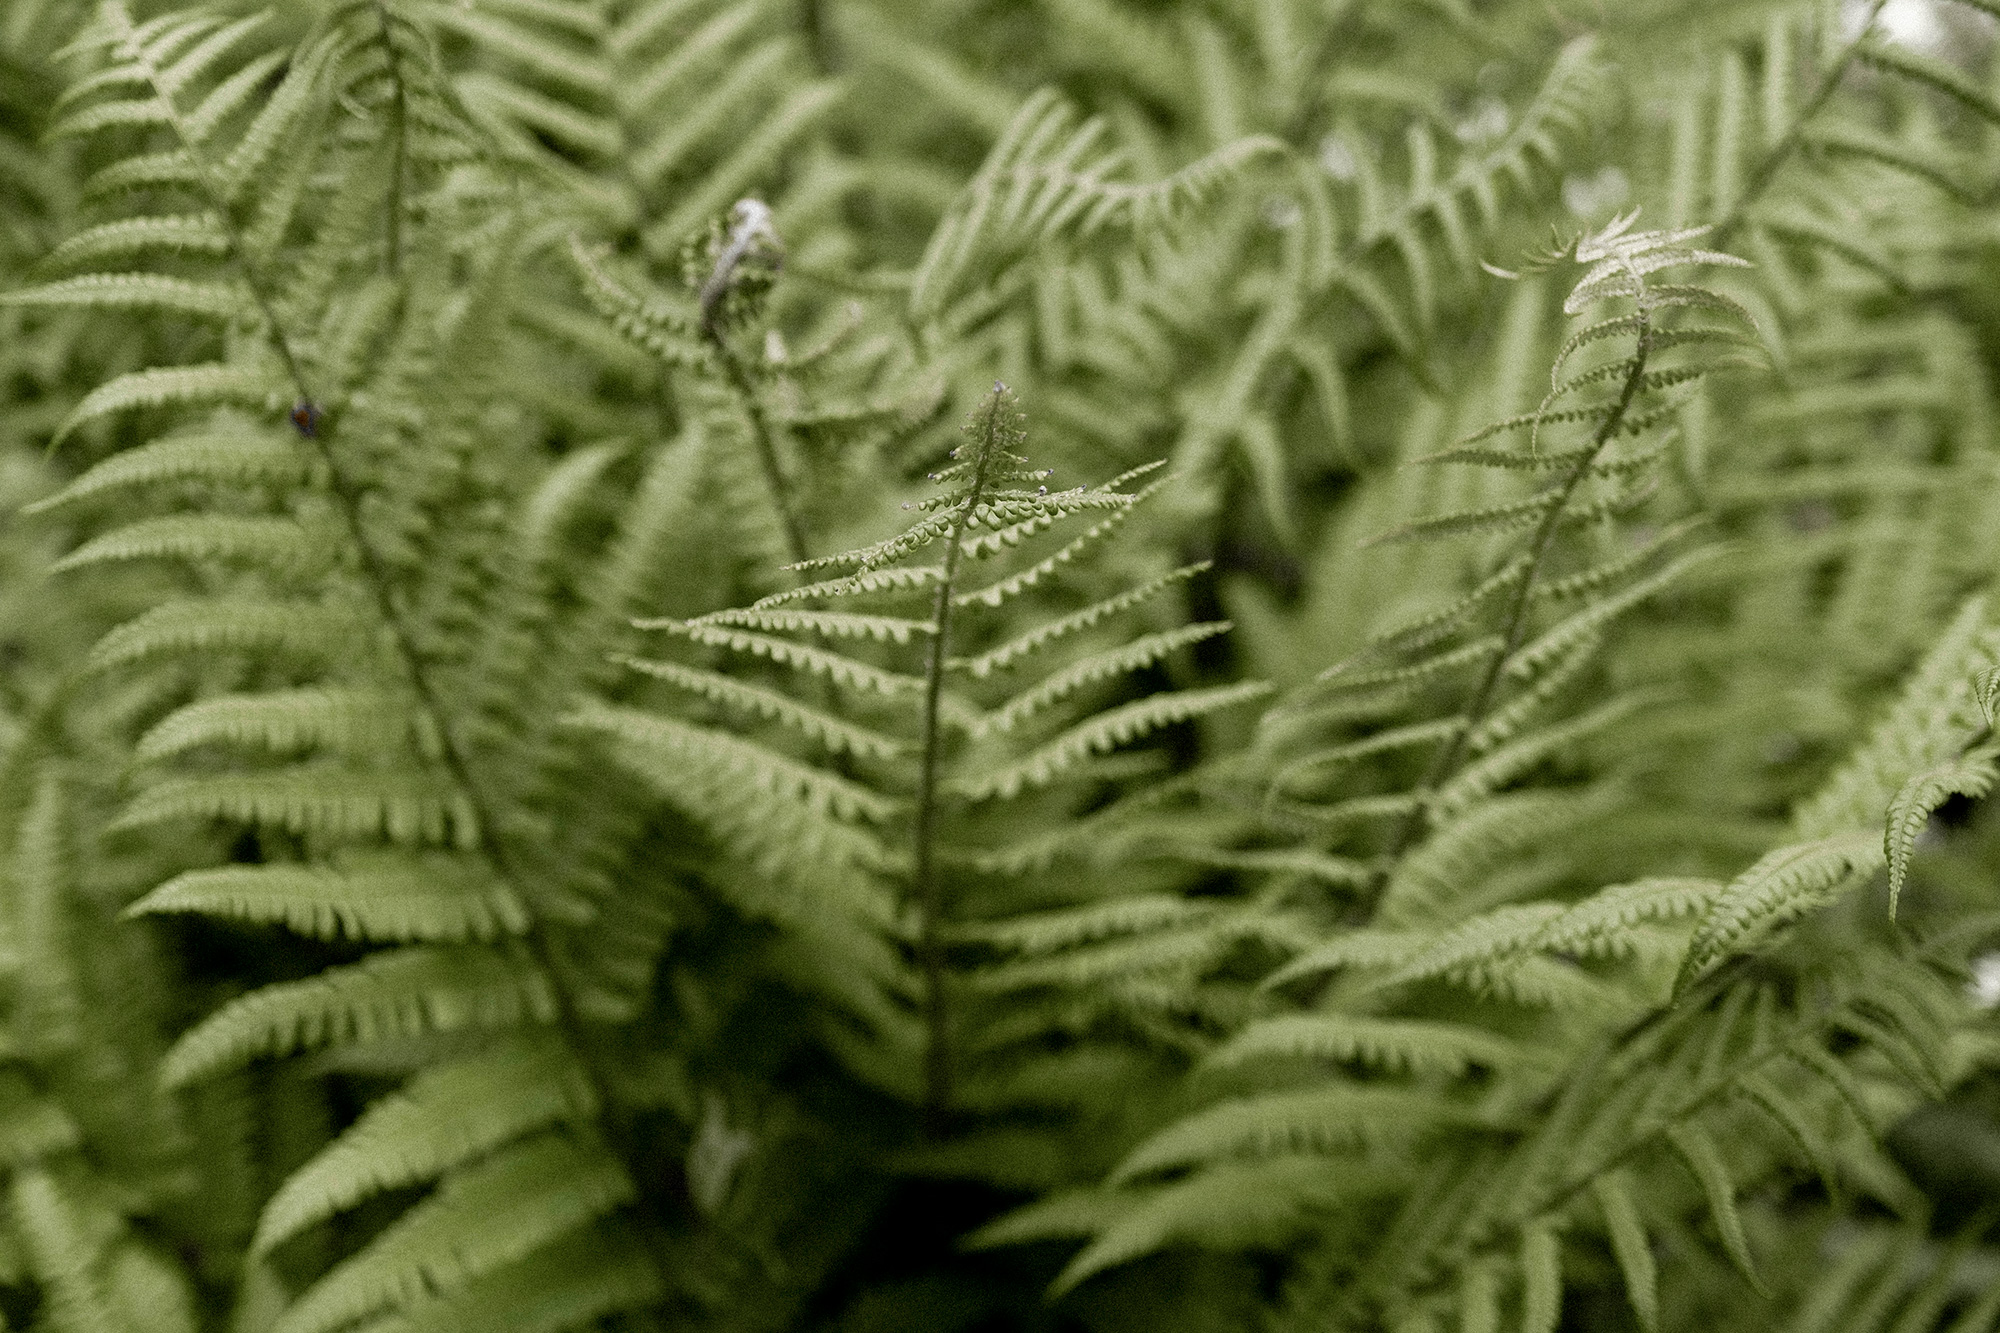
x=877 y=823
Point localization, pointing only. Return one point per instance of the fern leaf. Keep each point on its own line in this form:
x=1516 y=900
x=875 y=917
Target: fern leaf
x=675 y=742
x=1105 y=731
x=1013 y=585
x=1629 y=1245
x=64 y=1251
x=206 y=456
x=447 y=1116
x=1044 y=634
x=1768 y=1097
x=833 y=624
x=1047 y=932
x=1232 y=1206
x=161 y=386
x=896 y=579
x=1783 y=886
x=235 y=624
x=435 y=900
x=279 y=119
x=1415 y=1046
x=130 y=238
x=822 y=726
x=399 y=993
x=788 y=822
x=142 y=291
x=273 y=543
x=1695 y=1147
x=1910 y=811
x=1134 y=656
x=837 y=667
x=481 y=1218
x=1601 y=922
x=342 y=720
x=1321 y=1120
x=1555 y=643
x=403 y=807
x=584 y=1277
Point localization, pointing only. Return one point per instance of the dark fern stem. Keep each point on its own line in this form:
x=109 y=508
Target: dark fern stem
x=926 y=892
x=1515 y=622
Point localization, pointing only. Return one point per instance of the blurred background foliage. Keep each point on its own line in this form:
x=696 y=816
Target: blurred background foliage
x=1322 y=297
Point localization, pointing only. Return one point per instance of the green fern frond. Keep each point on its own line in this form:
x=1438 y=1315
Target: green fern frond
x=281 y=544
x=1398 y=1045
x=225 y=456
x=1105 y=731
x=435 y=900
x=1134 y=656
x=481 y=1218
x=1704 y=1159
x=1970 y=775
x=824 y=727
x=1235 y=1205
x=1322 y=1120
x=1782 y=886
x=821 y=792
x=1048 y=632
x=216 y=384
x=397 y=993
x=447 y=1116
x=1630 y=1245
x=410 y=808
x=339 y=720
x=589 y=1274
x=215 y=625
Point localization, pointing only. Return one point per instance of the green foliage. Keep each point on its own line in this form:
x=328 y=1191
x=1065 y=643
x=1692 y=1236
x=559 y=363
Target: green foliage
x=543 y=787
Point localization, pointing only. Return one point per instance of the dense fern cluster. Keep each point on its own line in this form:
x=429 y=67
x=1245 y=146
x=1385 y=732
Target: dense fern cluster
x=1073 y=665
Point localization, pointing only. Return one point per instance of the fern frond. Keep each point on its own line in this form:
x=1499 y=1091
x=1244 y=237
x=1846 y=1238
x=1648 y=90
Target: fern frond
x=216 y=384
x=1234 y=1205
x=1398 y=1045
x=481 y=1218
x=435 y=900
x=837 y=667
x=1783 y=886
x=298 y=629
x=1134 y=656
x=448 y=1115
x=348 y=804
x=1704 y=1159
x=398 y=993
x=1105 y=731
x=1629 y=1245
x=824 y=727
x=227 y=456
x=1049 y=631
x=592 y=1273
x=281 y=544
x=1971 y=775
x=1322 y=1120
x=342 y=720
x=675 y=742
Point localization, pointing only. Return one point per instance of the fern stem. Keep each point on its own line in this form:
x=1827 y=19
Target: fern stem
x=1780 y=152
x=399 y=136
x=760 y=435
x=1515 y=622
x=926 y=891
